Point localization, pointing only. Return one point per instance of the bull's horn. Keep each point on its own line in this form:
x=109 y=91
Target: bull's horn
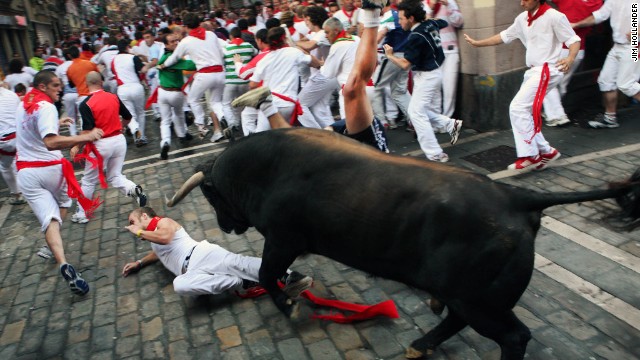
x=186 y=188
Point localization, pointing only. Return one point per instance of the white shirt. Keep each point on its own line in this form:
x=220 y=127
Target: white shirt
x=173 y=254
x=9 y=102
x=203 y=53
x=277 y=70
x=340 y=61
x=21 y=78
x=105 y=57
x=620 y=13
x=125 y=69
x=347 y=22
x=32 y=128
x=61 y=72
x=544 y=38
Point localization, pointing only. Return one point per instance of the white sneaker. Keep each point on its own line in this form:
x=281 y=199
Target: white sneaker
x=455 y=131
x=563 y=120
x=442 y=157
x=253 y=98
x=79 y=218
x=45 y=252
x=217 y=136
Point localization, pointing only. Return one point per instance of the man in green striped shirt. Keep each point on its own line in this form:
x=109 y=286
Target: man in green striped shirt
x=171 y=98
x=235 y=86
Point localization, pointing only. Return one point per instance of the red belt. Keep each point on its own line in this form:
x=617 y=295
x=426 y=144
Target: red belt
x=204 y=70
x=74 y=191
x=8 y=137
x=297 y=110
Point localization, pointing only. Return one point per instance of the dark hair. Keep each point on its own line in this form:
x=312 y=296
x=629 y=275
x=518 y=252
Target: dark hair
x=87 y=47
x=243 y=24
x=272 y=23
x=15 y=66
x=191 y=20
x=261 y=35
x=251 y=20
x=148 y=32
x=235 y=32
x=164 y=31
x=123 y=44
x=145 y=210
x=317 y=15
x=137 y=35
x=19 y=88
x=43 y=77
x=412 y=8
x=74 y=52
x=112 y=40
x=276 y=38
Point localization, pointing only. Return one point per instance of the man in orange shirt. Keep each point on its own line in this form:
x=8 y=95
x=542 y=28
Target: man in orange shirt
x=77 y=75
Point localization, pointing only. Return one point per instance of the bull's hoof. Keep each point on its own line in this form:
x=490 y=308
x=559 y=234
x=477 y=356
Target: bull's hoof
x=412 y=353
x=293 y=309
x=436 y=306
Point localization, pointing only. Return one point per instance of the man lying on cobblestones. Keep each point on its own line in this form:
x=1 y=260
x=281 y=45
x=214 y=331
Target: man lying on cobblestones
x=201 y=268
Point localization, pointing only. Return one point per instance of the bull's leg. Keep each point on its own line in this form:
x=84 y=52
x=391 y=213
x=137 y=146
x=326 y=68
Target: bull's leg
x=505 y=329
x=274 y=264
x=424 y=346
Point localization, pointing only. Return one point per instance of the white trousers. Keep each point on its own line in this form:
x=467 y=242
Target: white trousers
x=202 y=82
x=552 y=101
x=113 y=150
x=45 y=189
x=171 y=103
x=520 y=112
x=153 y=80
x=214 y=270
x=315 y=99
x=78 y=123
x=231 y=92
x=69 y=102
x=389 y=75
x=450 y=71
x=254 y=121
x=132 y=96
x=8 y=165
x=620 y=71
x=424 y=110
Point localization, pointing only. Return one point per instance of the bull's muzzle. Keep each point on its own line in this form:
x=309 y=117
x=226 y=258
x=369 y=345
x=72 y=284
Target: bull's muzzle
x=186 y=188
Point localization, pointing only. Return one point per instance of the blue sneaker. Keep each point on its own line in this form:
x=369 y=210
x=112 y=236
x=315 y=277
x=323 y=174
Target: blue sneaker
x=77 y=284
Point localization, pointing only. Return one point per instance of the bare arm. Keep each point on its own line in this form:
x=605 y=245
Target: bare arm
x=163 y=234
x=565 y=64
x=490 y=41
x=402 y=63
x=59 y=142
x=588 y=21
x=307 y=45
x=135 y=266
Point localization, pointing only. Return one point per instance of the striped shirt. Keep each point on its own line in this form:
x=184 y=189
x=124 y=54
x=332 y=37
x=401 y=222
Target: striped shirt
x=246 y=52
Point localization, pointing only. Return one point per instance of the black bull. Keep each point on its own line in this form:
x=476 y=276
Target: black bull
x=465 y=239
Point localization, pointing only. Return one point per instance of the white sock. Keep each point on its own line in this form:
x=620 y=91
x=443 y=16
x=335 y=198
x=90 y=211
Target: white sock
x=370 y=17
x=267 y=108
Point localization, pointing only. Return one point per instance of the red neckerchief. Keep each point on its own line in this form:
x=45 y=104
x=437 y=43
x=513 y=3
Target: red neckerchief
x=541 y=10
x=236 y=41
x=292 y=30
x=228 y=22
x=436 y=8
x=32 y=98
x=198 y=32
x=343 y=36
x=297 y=19
x=153 y=224
x=349 y=16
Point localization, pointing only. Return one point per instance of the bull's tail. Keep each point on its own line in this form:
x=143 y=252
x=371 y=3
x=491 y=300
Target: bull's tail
x=626 y=193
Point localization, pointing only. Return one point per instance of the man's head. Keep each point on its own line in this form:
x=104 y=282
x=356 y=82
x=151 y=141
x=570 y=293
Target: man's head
x=191 y=20
x=315 y=16
x=48 y=83
x=243 y=24
x=38 y=51
x=261 y=39
x=235 y=33
x=94 y=80
x=170 y=41
x=410 y=13
x=531 y=5
x=333 y=8
x=15 y=66
x=347 y=5
x=332 y=27
x=148 y=37
x=276 y=37
x=74 y=52
x=123 y=46
x=142 y=216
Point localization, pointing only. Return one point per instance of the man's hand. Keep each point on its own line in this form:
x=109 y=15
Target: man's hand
x=388 y=50
x=237 y=58
x=66 y=121
x=74 y=151
x=95 y=134
x=564 y=64
x=470 y=40
x=132 y=267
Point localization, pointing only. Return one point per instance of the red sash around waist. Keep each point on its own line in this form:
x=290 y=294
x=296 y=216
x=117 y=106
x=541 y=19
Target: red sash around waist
x=204 y=70
x=297 y=110
x=74 y=191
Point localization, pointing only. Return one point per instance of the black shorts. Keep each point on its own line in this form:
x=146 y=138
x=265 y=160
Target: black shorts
x=374 y=135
